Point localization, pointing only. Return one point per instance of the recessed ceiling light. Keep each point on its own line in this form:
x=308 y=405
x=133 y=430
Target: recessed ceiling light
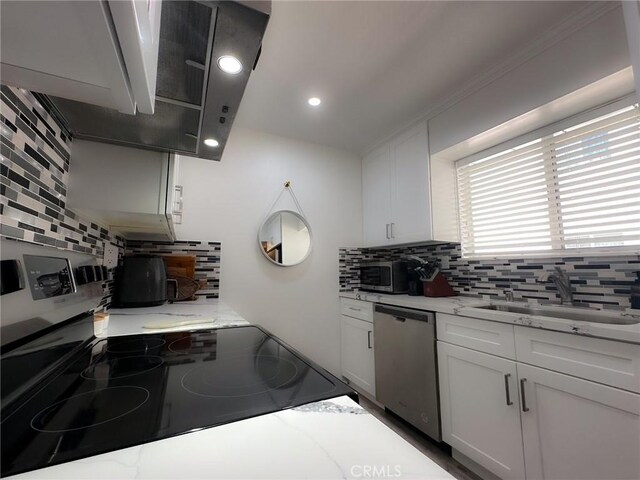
x=314 y=101
x=229 y=64
x=211 y=142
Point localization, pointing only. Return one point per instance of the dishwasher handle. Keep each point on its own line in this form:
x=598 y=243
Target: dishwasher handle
x=401 y=314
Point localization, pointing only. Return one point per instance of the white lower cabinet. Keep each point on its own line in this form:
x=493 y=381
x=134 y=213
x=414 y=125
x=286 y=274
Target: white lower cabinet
x=578 y=429
x=520 y=421
x=480 y=410
x=357 y=353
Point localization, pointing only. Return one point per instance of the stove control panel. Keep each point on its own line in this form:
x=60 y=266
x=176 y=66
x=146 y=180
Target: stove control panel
x=48 y=277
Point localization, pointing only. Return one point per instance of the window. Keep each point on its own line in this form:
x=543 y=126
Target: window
x=572 y=186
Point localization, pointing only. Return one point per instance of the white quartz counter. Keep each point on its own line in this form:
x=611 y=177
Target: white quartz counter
x=330 y=439
x=432 y=304
x=200 y=314
x=467 y=307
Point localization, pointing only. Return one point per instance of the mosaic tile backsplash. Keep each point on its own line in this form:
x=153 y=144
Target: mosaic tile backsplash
x=602 y=282
x=207 y=259
x=34 y=174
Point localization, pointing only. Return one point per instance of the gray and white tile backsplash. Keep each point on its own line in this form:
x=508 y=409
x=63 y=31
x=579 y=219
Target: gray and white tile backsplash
x=602 y=282
x=34 y=174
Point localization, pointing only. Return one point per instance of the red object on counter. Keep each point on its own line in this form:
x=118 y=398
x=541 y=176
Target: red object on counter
x=438 y=287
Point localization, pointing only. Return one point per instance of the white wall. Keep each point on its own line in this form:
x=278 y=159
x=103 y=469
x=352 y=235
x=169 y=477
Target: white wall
x=295 y=239
x=598 y=50
x=227 y=202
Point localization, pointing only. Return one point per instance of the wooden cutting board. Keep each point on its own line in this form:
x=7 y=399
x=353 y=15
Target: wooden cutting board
x=180 y=265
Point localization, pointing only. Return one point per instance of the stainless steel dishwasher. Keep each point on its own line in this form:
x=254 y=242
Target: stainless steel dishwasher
x=406 y=369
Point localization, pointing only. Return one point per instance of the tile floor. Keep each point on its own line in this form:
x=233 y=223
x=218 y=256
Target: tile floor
x=439 y=453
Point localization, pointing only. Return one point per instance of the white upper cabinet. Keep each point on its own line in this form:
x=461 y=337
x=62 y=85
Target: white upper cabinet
x=376 y=201
x=410 y=195
x=134 y=192
x=396 y=193
x=101 y=53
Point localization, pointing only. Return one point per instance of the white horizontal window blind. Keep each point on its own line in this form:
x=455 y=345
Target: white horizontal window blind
x=575 y=185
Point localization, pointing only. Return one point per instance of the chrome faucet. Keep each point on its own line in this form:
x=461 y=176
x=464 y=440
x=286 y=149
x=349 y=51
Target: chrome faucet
x=561 y=280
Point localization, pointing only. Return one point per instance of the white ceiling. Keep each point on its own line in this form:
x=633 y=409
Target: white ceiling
x=376 y=65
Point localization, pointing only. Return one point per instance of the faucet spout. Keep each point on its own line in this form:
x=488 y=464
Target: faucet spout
x=561 y=280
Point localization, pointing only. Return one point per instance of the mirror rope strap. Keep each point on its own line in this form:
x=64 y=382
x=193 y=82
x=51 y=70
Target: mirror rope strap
x=287 y=187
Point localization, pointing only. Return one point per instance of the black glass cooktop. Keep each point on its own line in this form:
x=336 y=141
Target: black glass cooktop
x=124 y=391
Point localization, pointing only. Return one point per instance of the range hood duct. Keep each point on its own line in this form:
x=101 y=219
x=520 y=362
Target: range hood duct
x=195 y=100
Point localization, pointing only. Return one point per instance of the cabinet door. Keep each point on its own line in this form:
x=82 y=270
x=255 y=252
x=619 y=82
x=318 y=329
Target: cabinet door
x=80 y=59
x=575 y=428
x=410 y=197
x=376 y=197
x=357 y=353
x=137 y=24
x=480 y=410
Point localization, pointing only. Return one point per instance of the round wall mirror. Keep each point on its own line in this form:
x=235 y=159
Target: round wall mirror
x=285 y=238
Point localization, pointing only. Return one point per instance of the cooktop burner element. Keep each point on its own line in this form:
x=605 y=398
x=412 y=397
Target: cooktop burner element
x=122 y=367
x=125 y=391
x=217 y=379
x=87 y=410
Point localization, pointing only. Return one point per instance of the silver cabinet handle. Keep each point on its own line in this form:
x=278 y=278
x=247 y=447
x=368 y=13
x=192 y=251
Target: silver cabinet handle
x=506 y=388
x=524 y=400
x=392 y=235
x=178 y=205
x=369 y=332
x=387 y=230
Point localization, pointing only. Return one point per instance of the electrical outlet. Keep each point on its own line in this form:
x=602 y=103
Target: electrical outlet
x=110 y=258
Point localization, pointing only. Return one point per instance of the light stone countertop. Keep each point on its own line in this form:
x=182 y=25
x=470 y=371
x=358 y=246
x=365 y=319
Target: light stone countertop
x=207 y=314
x=467 y=307
x=330 y=439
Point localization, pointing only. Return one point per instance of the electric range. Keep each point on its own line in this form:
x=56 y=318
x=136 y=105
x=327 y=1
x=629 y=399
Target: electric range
x=108 y=394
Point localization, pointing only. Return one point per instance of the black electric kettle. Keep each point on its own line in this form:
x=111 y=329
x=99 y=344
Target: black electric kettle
x=141 y=281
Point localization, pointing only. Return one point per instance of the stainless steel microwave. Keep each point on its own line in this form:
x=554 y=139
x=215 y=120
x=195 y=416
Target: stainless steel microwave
x=387 y=277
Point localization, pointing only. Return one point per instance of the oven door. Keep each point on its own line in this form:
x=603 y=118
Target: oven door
x=377 y=278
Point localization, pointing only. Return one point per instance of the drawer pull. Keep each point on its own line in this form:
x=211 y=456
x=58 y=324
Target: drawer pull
x=355 y=309
x=506 y=388
x=522 y=394
x=369 y=332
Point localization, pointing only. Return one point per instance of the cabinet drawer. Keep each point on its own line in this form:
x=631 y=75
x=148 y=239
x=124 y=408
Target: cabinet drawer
x=604 y=361
x=484 y=336
x=357 y=309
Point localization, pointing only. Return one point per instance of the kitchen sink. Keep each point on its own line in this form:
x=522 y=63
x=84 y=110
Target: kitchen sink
x=567 y=313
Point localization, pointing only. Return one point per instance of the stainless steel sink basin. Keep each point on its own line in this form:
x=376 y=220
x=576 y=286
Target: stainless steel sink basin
x=567 y=313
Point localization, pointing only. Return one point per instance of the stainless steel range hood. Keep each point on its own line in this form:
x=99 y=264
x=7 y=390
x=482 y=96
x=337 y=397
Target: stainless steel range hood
x=195 y=99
